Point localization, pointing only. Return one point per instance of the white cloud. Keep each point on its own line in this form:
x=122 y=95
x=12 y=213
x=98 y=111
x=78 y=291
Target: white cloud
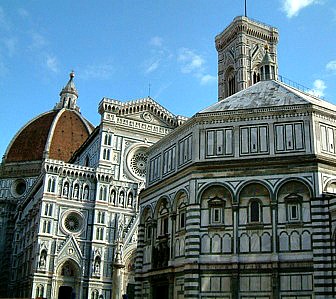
x=191 y=62
x=331 y=66
x=318 y=88
x=51 y=63
x=97 y=71
x=207 y=79
x=156 y=41
x=151 y=66
x=159 y=55
x=293 y=7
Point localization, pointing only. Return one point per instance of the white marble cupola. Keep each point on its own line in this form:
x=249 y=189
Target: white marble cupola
x=268 y=68
x=68 y=95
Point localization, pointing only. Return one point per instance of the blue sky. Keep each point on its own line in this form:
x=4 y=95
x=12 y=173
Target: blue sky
x=118 y=48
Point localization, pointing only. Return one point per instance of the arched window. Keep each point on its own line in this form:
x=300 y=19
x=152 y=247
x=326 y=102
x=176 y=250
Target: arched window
x=232 y=85
x=256 y=77
x=181 y=216
x=181 y=207
x=230 y=82
x=163 y=222
x=102 y=194
x=148 y=230
x=100 y=233
x=46 y=227
x=49 y=227
x=48 y=208
x=40 y=291
x=101 y=217
x=106 y=154
x=95 y=294
x=51 y=185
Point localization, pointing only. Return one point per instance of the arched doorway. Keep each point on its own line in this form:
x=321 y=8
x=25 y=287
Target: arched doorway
x=129 y=274
x=68 y=280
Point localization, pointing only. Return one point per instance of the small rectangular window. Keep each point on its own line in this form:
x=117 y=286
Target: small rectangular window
x=254 y=211
x=164 y=225
x=293 y=212
x=216 y=215
x=182 y=220
x=149 y=232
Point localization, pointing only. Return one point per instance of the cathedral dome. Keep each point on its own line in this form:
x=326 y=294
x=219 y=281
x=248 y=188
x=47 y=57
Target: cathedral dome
x=56 y=134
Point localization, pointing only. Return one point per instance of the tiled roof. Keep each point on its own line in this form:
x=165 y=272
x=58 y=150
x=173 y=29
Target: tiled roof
x=267 y=94
x=56 y=134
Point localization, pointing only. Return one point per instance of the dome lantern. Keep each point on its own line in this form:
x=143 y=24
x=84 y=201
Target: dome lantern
x=68 y=95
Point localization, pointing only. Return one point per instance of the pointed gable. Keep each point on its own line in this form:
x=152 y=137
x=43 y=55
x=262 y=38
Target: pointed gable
x=145 y=110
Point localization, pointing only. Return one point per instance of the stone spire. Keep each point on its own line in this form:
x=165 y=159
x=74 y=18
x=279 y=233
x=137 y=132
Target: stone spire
x=68 y=95
x=268 y=68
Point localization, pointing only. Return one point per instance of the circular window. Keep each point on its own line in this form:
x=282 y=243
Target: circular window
x=73 y=222
x=136 y=161
x=138 y=164
x=19 y=187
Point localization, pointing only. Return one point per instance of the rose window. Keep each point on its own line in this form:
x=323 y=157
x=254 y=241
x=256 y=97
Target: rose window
x=73 y=222
x=138 y=164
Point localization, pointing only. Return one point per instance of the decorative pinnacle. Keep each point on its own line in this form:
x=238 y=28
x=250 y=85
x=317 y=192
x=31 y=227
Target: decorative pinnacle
x=72 y=74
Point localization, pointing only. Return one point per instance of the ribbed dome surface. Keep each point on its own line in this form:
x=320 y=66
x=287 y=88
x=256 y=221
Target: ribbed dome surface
x=56 y=134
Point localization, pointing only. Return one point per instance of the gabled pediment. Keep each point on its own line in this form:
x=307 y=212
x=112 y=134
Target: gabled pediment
x=145 y=110
x=70 y=249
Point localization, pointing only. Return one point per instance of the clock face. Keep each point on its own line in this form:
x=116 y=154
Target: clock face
x=73 y=222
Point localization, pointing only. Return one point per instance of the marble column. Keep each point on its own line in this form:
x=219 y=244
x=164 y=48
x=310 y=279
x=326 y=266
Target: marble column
x=117 y=277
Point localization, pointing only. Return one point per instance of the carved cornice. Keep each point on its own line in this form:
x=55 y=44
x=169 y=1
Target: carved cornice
x=246 y=26
x=142 y=105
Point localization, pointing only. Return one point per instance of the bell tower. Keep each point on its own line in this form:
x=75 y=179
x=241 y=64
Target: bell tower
x=241 y=48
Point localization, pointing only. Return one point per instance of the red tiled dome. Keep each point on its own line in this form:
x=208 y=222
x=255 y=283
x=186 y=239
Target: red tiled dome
x=56 y=135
